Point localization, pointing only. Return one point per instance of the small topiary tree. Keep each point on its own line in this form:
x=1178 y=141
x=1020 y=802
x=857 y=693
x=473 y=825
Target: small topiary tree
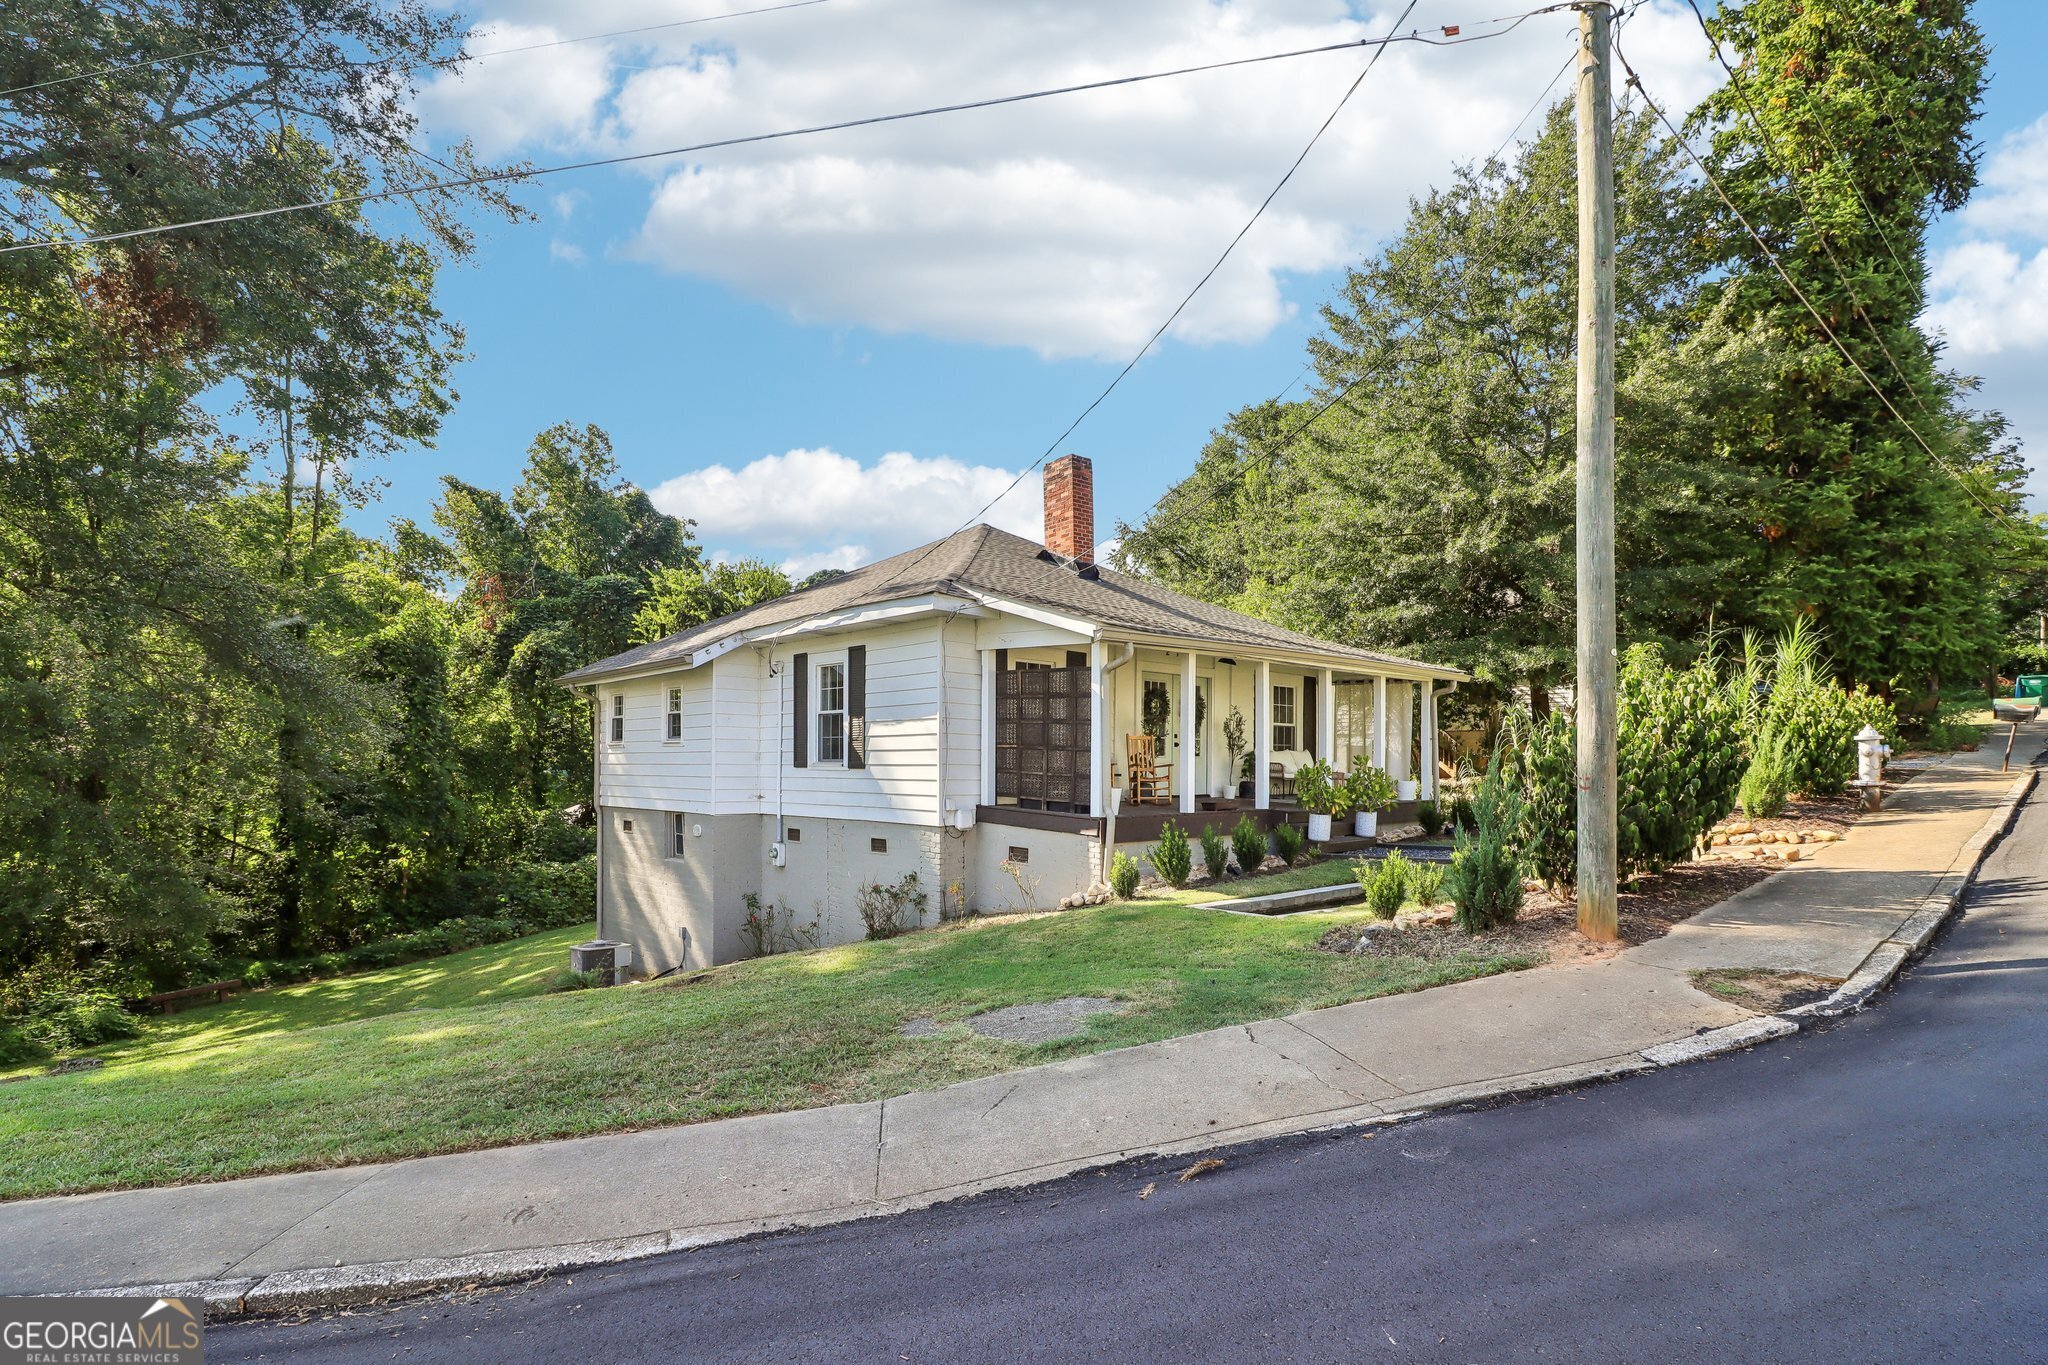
x=1289 y=843
x=1215 y=853
x=1485 y=880
x=1123 y=875
x=1388 y=888
x=1768 y=779
x=1426 y=884
x=1173 y=859
x=1248 y=841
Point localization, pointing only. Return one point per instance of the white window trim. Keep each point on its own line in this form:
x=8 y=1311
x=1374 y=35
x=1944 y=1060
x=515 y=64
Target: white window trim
x=678 y=835
x=615 y=725
x=819 y=663
x=1293 y=723
x=672 y=722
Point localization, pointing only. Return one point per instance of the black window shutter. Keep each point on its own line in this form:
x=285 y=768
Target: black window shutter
x=1077 y=658
x=800 y=691
x=856 y=706
x=1309 y=709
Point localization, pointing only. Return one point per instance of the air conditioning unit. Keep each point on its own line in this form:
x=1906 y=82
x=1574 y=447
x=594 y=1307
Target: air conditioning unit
x=605 y=955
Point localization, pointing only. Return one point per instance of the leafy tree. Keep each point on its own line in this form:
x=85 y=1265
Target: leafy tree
x=686 y=595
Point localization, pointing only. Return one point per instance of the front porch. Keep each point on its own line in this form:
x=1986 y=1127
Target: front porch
x=1217 y=733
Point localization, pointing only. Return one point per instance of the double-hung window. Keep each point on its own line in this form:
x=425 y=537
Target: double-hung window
x=618 y=717
x=831 y=694
x=678 y=832
x=1283 y=718
x=675 y=715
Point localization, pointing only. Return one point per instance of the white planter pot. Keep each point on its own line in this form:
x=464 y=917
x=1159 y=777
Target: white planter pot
x=1366 y=824
x=1405 y=791
x=1319 y=829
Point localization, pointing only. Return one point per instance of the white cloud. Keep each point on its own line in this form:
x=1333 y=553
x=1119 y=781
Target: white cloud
x=1988 y=287
x=566 y=251
x=1070 y=225
x=521 y=101
x=566 y=203
x=790 y=504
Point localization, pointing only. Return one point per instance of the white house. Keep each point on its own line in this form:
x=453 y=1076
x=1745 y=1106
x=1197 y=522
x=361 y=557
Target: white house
x=963 y=711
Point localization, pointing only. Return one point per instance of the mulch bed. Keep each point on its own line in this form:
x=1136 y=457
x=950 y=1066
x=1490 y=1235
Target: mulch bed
x=1547 y=930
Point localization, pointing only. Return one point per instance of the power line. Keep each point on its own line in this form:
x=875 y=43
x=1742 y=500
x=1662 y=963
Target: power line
x=442 y=63
x=499 y=177
x=1714 y=181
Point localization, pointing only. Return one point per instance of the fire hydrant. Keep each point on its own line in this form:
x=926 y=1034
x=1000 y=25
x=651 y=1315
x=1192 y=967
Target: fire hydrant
x=1871 y=752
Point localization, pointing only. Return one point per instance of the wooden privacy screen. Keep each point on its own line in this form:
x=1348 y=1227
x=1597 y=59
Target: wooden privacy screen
x=1043 y=738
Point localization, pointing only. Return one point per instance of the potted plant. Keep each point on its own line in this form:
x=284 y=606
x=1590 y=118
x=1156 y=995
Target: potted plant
x=1233 y=745
x=1406 y=789
x=1320 y=793
x=1245 y=786
x=1370 y=791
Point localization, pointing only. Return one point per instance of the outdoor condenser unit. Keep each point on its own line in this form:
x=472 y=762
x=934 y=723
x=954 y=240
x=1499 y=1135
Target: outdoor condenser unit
x=602 y=955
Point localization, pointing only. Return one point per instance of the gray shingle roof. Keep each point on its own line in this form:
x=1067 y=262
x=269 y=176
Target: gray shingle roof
x=985 y=562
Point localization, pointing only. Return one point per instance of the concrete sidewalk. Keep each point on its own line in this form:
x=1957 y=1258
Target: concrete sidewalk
x=505 y=1212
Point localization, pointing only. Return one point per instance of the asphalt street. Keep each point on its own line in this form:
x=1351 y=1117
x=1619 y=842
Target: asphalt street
x=1876 y=1189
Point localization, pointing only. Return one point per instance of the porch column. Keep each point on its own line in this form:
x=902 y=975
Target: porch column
x=1186 y=763
x=988 y=727
x=1262 y=737
x=1429 y=746
x=1326 y=716
x=1379 y=723
x=1098 y=725
x=1403 y=756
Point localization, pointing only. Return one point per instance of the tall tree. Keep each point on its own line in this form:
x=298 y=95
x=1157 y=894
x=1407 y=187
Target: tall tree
x=1887 y=510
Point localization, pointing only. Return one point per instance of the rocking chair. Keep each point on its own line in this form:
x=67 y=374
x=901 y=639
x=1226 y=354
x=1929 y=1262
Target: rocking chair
x=1151 y=780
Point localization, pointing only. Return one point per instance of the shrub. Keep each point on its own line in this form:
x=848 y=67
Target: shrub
x=1431 y=817
x=1173 y=859
x=886 y=911
x=1793 y=697
x=1426 y=884
x=65 y=1020
x=1679 y=762
x=1386 y=888
x=1289 y=842
x=1123 y=875
x=1461 y=812
x=1768 y=779
x=17 y=1047
x=1248 y=841
x=1485 y=878
x=1215 y=852
x=567 y=980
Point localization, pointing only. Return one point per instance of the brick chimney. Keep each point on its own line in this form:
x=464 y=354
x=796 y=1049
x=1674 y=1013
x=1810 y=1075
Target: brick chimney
x=1070 y=508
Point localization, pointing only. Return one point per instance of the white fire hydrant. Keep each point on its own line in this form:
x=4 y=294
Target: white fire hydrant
x=1871 y=752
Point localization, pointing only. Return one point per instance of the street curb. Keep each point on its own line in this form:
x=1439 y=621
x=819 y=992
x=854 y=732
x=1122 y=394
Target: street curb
x=354 y=1285
x=1890 y=957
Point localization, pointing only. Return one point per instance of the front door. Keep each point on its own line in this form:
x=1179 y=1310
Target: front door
x=1159 y=716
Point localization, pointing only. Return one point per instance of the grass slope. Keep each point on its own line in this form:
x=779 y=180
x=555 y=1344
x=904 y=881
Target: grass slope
x=461 y=1053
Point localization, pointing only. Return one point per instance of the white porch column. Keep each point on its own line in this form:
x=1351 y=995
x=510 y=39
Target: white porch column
x=988 y=727
x=1185 y=766
x=1098 y=725
x=1404 y=730
x=1429 y=745
x=1379 y=723
x=1262 y=737
x=1326 y=716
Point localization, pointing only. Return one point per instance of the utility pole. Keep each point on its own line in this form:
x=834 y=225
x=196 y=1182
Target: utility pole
x=1594 y=702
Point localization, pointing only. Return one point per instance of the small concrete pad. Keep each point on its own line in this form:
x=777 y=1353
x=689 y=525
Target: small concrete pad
x=179 y=1233
x=1126 y=1102
x=1516 y=1024
x=1046 y=1023
x=591 y=1189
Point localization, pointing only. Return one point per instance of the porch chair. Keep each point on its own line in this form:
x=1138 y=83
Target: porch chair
x=1279 y=784
x=1151 y=780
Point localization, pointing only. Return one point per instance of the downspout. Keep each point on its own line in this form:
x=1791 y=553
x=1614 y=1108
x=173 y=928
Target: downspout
x=1110 y=801
x=597 y=810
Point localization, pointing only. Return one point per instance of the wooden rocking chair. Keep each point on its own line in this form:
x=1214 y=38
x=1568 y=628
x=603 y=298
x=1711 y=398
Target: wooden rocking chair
x=1151 y=781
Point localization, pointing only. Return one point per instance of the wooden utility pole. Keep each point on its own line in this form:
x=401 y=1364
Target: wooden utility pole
x=1594 y=703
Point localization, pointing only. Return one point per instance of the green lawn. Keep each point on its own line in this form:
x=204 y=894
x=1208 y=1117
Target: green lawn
x=462 y=1052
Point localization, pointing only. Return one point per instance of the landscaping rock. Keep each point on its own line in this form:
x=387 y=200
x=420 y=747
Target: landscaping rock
x=71 y=1064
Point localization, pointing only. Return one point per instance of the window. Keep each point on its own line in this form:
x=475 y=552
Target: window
x=832 y=713
x=1027 y=665
x=677 y=833
x=675 y=715
x=618 y=717
x=1283 y=718
x=878 y=845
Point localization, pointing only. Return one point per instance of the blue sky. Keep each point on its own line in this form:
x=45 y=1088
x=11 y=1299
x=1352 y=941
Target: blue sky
x=827 y=351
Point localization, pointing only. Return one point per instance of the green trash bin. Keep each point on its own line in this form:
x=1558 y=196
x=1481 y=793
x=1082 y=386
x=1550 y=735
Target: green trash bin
x=2030 y=687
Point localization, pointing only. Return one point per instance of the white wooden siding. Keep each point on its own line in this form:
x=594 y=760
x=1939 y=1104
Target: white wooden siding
x=647 y=770
x=960 y=663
